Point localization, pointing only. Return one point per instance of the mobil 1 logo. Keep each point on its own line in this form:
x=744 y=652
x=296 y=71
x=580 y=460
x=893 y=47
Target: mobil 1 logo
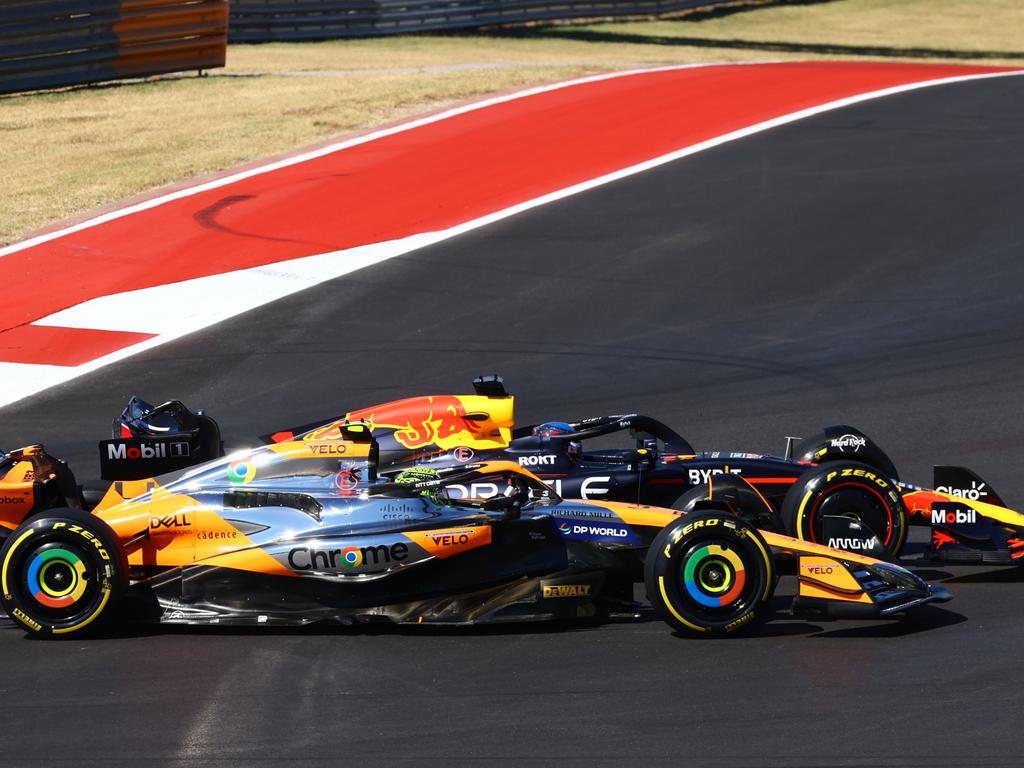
x=135 y=458
x=953 y=514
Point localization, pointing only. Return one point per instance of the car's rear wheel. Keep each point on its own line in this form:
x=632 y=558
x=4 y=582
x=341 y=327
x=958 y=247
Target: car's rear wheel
x=849 y=490
x=709 y=574
x=61 y=573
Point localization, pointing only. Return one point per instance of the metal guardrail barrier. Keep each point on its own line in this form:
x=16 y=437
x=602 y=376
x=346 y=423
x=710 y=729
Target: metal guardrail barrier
x=267 y=20
x=52 y=43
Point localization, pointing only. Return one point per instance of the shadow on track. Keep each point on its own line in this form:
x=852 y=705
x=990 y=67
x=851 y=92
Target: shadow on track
x=922 y=619
x=772 y=46
x=782 y=624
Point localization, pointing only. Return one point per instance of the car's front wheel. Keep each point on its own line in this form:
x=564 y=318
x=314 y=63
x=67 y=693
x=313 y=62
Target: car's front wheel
x=710 y=573
x=61 y=573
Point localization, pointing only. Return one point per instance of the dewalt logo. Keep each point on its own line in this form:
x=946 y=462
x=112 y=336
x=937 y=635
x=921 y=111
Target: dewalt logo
x=567 y=590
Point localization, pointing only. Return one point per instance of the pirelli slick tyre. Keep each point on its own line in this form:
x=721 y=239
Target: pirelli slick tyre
x=846 y=489
x=62 y=573
x=709 y=574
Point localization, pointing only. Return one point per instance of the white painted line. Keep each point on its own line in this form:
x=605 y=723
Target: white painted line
x=209 y=300
x=173 y=310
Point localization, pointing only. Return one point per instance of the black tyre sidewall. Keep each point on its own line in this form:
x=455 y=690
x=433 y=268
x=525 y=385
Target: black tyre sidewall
x=809 y=491
x=666 y=561
x=102 y=557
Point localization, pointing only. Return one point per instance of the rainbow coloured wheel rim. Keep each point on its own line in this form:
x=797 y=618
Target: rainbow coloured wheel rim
x=714 y=576
x=62 y=573
x=57 y=577
x=711 y=573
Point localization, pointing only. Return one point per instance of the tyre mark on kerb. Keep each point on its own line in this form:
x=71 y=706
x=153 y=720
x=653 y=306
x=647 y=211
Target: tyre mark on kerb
x=207 y=218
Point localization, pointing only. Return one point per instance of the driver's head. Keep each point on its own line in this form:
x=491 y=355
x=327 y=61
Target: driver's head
x=418 y=475
x=551 y=428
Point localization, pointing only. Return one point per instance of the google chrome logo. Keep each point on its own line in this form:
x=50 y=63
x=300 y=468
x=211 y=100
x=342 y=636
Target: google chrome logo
x=241 y=472
x=351 y=557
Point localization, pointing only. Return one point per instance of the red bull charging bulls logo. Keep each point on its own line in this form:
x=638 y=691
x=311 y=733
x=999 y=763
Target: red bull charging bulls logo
x=420 y=421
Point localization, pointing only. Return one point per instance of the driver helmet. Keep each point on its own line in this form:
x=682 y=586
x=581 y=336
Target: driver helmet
x=551 y=428
x=418 y=475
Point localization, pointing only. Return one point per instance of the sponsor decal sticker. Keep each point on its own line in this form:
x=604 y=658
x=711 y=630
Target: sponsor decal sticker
x=594 y=486
x=597 y=531
x=211 y=535
x=241 y=472
x=346 y=479
x=124 y=452
x=177 y=520
x=698 y=476
x=463 y=454
x=819 y=570
x=567 y=590
x=24 y=618
x=545 y=460
x=397 y=511
x=853 y=543
x=975 y=493
x=879 y=481
x=327 y=449
x=739 y=622
x=448 y=542
x=346 y=558
x=848 y=443
x=585 y=513
x=942 y=516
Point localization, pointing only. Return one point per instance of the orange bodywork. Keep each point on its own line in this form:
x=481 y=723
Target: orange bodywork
x=827 y=578
x=446 y=542
x=16 y=494
x=180 y=530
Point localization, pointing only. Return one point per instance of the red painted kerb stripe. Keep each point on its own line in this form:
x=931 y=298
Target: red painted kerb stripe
x=52 y=345
x=428 y=178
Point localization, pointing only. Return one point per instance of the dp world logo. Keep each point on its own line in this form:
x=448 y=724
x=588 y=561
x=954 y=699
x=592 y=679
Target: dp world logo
x=564 y=528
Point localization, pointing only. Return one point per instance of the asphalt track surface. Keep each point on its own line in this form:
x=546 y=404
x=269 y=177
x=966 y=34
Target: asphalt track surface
x=861 y=267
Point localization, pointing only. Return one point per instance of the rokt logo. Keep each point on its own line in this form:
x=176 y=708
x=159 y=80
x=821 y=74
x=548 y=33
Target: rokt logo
x=537 y=461
x=312 y=559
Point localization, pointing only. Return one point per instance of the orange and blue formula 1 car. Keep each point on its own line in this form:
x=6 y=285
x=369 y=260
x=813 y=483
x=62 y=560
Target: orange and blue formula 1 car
x=305 y=531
